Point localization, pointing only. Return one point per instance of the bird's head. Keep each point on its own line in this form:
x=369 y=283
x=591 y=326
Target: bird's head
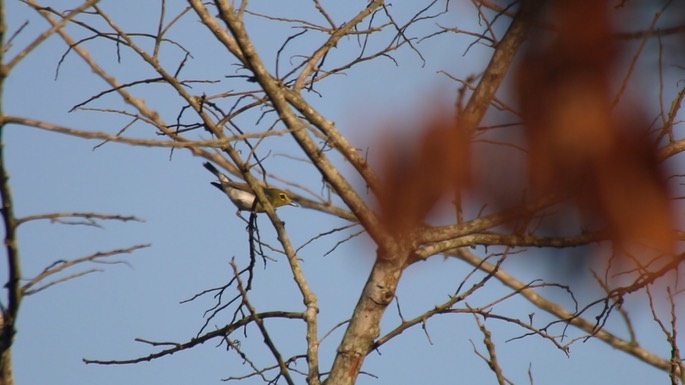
x=278 y=197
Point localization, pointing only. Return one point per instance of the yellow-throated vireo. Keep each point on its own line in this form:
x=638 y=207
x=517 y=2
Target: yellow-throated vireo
x=243 y=196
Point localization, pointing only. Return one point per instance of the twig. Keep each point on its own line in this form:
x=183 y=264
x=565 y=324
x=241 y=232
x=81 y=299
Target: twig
x=63 y=264
x=490 y=346
x=90 y=218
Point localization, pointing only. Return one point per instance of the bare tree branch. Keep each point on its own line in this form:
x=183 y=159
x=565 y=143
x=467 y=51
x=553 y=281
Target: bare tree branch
x=618 y=343
x=61 y=265
x=90 y=219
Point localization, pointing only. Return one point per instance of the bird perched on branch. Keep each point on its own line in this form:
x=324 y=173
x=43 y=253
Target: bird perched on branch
x=244 y=197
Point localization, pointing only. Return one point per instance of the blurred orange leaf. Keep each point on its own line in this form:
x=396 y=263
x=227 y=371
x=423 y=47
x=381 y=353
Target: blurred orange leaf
x=579 y=145
x=417 y=175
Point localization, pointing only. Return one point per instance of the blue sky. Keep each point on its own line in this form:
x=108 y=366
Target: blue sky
x=194 y=232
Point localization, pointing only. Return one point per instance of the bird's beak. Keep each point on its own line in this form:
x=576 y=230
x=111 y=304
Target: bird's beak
x=293 y=203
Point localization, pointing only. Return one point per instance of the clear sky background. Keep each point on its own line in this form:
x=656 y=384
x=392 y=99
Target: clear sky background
x=194 y=232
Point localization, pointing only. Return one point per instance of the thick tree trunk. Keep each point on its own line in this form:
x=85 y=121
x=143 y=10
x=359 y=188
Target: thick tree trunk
x=6 y=376
x=364 y=326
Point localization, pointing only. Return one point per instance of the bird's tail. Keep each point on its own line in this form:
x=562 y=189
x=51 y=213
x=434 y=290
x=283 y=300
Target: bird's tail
x=210 y=167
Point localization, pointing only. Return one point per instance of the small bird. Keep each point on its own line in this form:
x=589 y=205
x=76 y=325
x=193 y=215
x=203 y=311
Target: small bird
x=243 y=196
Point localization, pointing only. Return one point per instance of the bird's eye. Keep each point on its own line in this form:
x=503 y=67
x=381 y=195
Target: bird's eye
x=283 y=196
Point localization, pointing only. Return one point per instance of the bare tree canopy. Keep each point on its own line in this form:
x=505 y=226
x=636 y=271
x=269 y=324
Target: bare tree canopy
x=412 y=192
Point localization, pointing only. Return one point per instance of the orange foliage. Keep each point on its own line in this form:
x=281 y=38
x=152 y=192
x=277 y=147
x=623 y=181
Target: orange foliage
x=581 y=146
x=416 y=177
